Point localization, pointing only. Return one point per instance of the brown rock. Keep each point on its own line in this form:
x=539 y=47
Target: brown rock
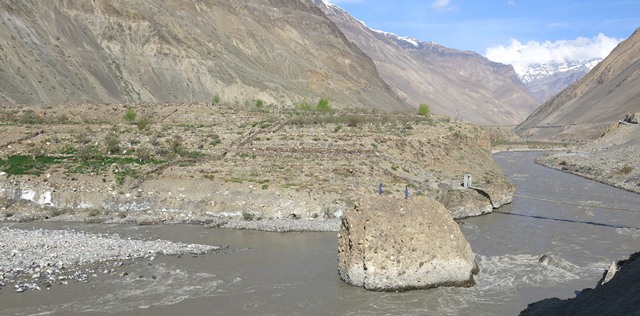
x=388 y=244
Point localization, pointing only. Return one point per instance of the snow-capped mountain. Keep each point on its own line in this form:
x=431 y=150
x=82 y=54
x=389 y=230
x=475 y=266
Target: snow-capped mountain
x=460 y=84
x=546 y=80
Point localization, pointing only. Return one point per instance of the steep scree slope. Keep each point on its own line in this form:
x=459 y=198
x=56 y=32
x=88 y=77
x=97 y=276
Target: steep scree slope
x=283 y=51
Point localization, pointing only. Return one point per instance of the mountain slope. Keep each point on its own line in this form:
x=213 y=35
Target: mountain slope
x=281 y=51
x=455 y=83
x=582 y=111
x=546 y=80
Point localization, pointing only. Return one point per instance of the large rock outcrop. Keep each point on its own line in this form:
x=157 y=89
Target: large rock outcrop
x=388 y=244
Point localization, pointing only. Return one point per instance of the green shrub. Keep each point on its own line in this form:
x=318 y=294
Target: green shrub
x=424 y=110
x=215 y=99
x=304 y=106
x=130 y=115
x=19 y=164
x=143 y=123
x=627 y=169
x=29 y=117
x=323 y=105
x=259 y=103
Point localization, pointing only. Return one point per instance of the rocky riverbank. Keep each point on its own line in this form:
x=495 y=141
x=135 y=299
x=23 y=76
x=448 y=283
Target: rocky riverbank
x=612 y=159
x=615 y=294
x=40 y=259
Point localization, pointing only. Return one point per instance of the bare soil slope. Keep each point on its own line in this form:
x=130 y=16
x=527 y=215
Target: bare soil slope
x=115 y=51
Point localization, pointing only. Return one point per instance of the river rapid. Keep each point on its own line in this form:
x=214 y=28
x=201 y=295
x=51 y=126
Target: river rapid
x=578 y=225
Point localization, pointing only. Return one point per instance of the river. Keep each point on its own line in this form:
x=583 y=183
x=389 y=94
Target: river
x=580 y=224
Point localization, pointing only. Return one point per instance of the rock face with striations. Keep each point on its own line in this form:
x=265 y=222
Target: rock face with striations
x=181 y=51
x=388 y=244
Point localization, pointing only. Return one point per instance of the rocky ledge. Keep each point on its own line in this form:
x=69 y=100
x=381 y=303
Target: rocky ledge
x=389 y=244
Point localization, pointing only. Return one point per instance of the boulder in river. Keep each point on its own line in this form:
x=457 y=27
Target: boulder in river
x=465 y=203
x=389 y=244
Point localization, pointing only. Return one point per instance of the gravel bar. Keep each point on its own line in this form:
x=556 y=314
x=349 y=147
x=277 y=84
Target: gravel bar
x=32 y=258
x=285 y=225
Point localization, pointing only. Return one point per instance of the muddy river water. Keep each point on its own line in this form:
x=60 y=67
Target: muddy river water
x=579 y=224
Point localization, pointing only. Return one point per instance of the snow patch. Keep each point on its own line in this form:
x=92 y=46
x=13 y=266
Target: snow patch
x=539 y=71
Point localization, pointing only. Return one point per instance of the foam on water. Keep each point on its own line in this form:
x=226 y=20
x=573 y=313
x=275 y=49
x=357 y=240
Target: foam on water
x=170 y=286
x=628 y=231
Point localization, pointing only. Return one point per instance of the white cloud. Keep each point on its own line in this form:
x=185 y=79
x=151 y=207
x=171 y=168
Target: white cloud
x=441 y=5
x=521 y=55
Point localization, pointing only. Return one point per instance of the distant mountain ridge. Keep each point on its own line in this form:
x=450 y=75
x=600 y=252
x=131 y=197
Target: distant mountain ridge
x=546 y=80
x=605 y=95
x=461 y=84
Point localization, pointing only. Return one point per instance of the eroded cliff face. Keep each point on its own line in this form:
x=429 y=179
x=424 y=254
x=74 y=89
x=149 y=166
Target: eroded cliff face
x=101 y=51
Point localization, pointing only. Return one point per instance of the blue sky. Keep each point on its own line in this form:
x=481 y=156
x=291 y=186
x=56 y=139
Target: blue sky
x=506 y=29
